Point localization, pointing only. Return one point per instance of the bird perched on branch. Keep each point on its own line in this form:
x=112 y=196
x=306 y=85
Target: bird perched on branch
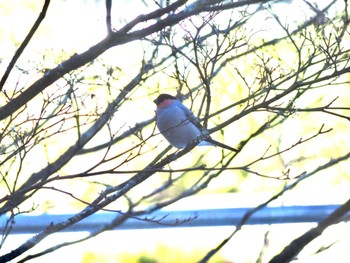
x=179 y=126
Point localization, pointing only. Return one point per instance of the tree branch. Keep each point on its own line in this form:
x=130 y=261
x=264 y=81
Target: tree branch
x=294 y=248
x=117 y=38
x=24 y=43
x=108 y=16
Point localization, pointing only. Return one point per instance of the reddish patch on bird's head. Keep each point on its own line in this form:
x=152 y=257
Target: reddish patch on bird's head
x=165 y=103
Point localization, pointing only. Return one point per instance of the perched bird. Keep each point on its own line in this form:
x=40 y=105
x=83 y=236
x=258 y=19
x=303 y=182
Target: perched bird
x=178 y=124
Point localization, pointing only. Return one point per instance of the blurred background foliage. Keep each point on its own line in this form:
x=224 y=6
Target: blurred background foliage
x=71 y=105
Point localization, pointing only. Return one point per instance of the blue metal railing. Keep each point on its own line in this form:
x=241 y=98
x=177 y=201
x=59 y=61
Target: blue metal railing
x=25 y=224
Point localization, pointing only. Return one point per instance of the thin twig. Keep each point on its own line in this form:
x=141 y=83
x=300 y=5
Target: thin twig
x=24 y=43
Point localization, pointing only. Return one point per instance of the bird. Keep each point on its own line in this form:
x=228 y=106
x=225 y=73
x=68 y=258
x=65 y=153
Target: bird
x=179 y=126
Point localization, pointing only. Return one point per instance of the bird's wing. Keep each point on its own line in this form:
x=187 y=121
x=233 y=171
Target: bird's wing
x=190 y=116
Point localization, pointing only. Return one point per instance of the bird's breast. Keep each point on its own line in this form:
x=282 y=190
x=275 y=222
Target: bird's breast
x=176 y=128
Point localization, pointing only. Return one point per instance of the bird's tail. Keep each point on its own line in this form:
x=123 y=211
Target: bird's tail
x=216 y=143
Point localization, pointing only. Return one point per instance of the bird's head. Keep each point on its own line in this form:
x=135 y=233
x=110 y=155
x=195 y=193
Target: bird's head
x=164 y=99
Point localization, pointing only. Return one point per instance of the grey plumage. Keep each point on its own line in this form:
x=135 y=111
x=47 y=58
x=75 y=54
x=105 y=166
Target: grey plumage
x=178 y=124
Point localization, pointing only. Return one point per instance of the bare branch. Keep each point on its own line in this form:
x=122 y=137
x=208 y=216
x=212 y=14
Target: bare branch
x=24 y=43
x=108 y=16
x=293 y=249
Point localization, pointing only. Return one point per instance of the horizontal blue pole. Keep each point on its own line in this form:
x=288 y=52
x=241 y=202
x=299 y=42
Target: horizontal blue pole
x=25 y=224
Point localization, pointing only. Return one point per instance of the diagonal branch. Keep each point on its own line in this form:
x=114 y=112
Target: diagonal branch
x=293 y=249
x=105 y=198
x=336 y=215
x=22 y=194
x=114 y=39
x=24 y=43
